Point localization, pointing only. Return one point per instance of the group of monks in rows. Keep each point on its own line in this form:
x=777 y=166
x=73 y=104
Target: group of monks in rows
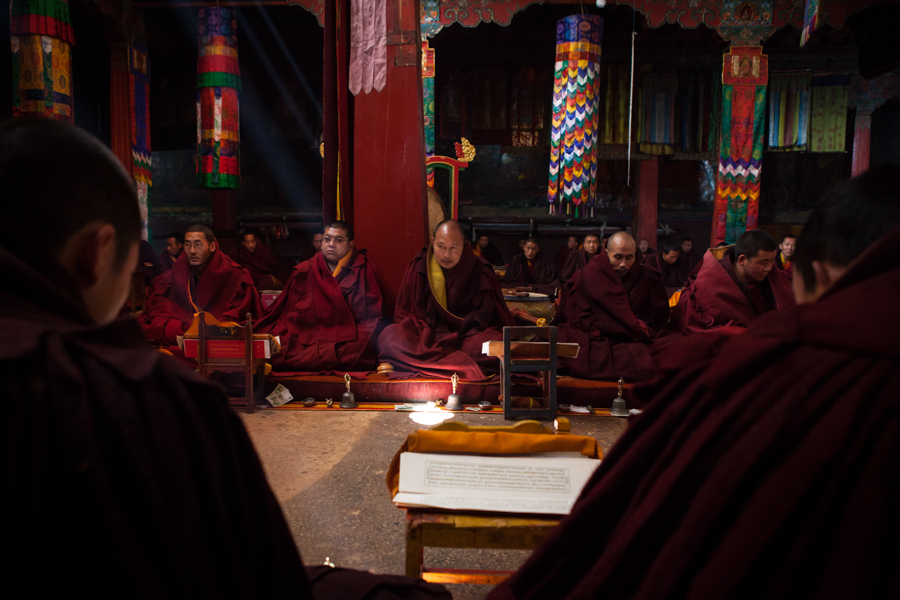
x=763 y=466
x=330 y=318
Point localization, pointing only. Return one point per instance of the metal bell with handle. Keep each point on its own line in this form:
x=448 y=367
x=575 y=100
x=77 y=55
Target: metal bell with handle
x=619 y=409
x=348 y=400
x=454 y=402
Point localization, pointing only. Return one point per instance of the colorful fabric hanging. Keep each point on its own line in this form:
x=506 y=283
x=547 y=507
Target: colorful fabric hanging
x=828 y=125
x=810 y=20
x=139 y=78
x=789 y=112
x=615 y=81
x=218 y=107
x=41 y=41
x=745 y=73
x=658 y=93
x=699 y=111
x=428 y=105
x=573 y=139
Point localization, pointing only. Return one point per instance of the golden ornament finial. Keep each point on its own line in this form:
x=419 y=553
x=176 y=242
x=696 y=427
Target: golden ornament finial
x=468 y=151
x=347 y=380
x=454 y=380
x=621 y=385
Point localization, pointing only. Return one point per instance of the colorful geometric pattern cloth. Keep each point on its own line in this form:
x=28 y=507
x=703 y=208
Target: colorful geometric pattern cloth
x=428 y=105
x=218 y=107
x=573 y=139
x=790 y=98
x=745 y=74
x=810 y=20
x=41 y=41
x=139 y=78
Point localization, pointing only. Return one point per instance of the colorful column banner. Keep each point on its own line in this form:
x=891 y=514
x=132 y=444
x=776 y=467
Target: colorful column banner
x=41 y=40
x=810 y=20
x=139 y=79
x=428 y=108
x=745 y=74
x=218 y=106
x=790 y=101
x=573 y=139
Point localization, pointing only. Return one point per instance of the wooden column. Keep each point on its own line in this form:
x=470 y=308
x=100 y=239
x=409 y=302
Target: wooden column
x=389 y=156
x=645 y=220
x=120 y=105
x=224 y=211
x=861 y=137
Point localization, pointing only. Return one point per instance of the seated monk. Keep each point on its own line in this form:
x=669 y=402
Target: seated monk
x=148 y=261
x=530 y=269
x=266 y=269
x=562 y=255
x=329 y=314
x=766 y=467
x=644 y=247
x=488 y=251
x=127 y=470
x=666 y=263
x=578 y=258
x=646 y=292
x=786 y=255
x=689 y=257
x=174 y=246
x=595 y=312
x=203 y=279
x=449 y=303
x=736 y=289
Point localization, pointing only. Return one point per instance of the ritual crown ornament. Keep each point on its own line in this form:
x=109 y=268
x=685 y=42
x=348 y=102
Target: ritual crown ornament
x=465 y=151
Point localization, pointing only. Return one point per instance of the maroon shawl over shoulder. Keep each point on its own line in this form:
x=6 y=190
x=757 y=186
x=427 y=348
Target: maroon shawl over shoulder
x=788 y=267
x=765 y=469
x=266 y=269
x=673 y=276
x=577 y=259
x=425 y=338
x=714 y=298
x=540 y=275
x=647 y=296
x=166 y=261
x=594 y=311
x=225 y=290
x=327 y=323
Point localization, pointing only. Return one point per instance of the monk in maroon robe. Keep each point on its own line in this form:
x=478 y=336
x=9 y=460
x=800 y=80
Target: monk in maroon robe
x=666 y=262
x=735 y=290
x=767 y=467
x=266 y=269
x=173 y=249
x=124 y=470
x=595 y=312
x=786 y=255
x=562 y=255
x=529 y=268
x=689 y=257
x=646 y=292
x=486 y=249
x=330 y=313
x=578 y=258
x=203 y=279
x=449 y=304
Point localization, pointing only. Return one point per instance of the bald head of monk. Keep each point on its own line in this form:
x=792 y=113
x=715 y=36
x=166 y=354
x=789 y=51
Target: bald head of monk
x=199 y=245
x=448 y=243
x=848 y=219
x=337 y=242
x=754 y=256
x=591 y=243
x=85 y=217
x=622 y=251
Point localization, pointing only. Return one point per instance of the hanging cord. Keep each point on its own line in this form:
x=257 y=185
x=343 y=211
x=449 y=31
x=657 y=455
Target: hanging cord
x=631 y=99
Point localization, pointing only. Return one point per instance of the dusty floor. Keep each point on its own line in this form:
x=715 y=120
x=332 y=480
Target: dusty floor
x=327 y=470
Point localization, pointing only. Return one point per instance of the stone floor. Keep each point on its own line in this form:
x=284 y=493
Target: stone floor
x=328 y=472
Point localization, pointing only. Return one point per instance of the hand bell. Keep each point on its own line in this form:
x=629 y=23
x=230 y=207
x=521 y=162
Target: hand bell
x=454 y=402
x=348 y=399
x=619 y=408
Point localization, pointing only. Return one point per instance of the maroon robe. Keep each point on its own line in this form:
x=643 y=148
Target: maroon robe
x=577 y=259
x=129 y=472
x=426 y=338
x=327 y=323
x=540 y=274
x=673 y=276
x=166 y=261
x=765 y=469
x=594 y=312
x=562 y=255
x=715 y=297
x=266 y=269
x=225 y=289
x=647 y=296
x=780 y=263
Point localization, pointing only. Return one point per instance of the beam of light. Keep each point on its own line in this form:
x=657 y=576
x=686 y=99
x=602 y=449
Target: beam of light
x=430 y=418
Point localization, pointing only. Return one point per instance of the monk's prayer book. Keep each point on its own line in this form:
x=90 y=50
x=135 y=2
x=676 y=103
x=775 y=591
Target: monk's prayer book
x=535 y=484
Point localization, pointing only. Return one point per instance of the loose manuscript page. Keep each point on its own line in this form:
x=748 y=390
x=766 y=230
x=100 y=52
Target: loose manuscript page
x=535 y=484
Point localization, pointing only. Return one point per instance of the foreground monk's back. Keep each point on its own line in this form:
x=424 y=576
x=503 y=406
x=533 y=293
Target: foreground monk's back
x=449 y=303
x=766 y=468
x=330 y=312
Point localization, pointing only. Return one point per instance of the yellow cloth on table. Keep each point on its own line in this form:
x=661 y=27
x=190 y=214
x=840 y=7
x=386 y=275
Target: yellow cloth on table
x=477 y=442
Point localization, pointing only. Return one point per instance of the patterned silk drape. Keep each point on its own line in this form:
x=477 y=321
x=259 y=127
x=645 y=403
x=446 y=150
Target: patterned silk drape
x=828 y=125
x=790 y=99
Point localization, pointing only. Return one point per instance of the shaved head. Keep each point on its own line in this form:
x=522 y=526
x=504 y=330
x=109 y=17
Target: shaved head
x=621 y=250
x=448 y=243
x=448 y=226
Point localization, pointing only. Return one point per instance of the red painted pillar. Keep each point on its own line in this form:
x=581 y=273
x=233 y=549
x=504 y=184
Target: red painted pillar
x=861 y=136
x=645 y=213
x=389 y=156
x=120 y=105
